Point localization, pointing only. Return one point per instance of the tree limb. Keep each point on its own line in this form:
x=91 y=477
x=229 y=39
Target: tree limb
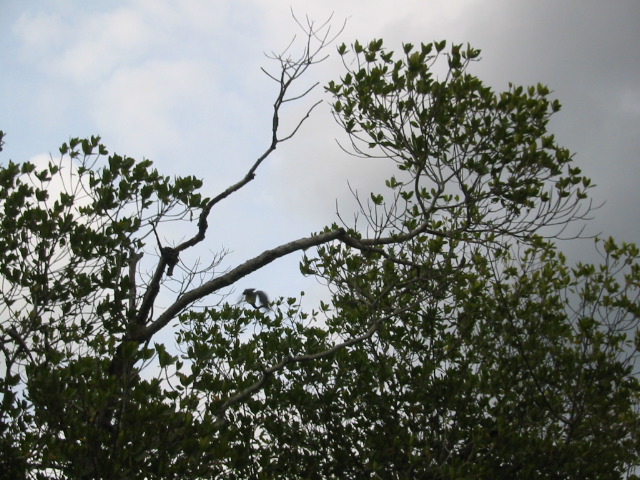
x=231 y=277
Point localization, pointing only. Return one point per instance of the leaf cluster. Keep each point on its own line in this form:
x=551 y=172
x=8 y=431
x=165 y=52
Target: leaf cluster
x=471 y=160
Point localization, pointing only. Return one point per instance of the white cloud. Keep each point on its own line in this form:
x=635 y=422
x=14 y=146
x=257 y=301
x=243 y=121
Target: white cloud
x=150 y=104
x=82 y=48
x=39 y=32
x=104 y=42
x=154 y=75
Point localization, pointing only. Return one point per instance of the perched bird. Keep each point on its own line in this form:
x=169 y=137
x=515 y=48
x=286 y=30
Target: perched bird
x=171 y=256
x=256 y=298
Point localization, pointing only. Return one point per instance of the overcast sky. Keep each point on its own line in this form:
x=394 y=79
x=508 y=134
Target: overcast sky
x=179 y=82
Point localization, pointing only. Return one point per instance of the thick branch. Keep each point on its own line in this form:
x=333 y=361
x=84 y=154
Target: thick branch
x=231 y=277
x=260 y=261
x=152 y=292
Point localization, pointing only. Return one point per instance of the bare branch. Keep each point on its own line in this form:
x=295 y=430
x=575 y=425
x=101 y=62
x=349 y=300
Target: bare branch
x=290 y=71
x=134 y=258
x=231 y=277
x=295 y=130
x=265 y=258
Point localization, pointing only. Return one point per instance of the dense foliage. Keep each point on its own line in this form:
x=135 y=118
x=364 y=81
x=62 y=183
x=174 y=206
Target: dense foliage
x=458 y=341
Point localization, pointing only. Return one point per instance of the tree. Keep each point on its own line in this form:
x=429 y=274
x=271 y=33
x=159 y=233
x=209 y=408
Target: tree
x=458 y=343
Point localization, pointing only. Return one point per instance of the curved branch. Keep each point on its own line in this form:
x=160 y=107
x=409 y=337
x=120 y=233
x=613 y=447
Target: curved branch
x=254 y=387
x=231 y=277
x=268 y=256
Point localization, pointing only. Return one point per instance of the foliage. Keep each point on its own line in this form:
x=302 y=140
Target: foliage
x=522 y=370
x=458 y=342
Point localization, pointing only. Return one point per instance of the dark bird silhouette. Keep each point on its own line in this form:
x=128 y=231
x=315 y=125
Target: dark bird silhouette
x=256 y=298
x=171 y=257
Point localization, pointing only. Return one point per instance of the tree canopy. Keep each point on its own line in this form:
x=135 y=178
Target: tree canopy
x=457 y=343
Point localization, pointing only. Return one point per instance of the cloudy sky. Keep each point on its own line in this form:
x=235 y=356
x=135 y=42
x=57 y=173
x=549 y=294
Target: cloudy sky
x=180 y=83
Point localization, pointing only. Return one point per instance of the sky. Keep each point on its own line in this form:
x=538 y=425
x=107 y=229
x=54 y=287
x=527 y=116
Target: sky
x=180 y=83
